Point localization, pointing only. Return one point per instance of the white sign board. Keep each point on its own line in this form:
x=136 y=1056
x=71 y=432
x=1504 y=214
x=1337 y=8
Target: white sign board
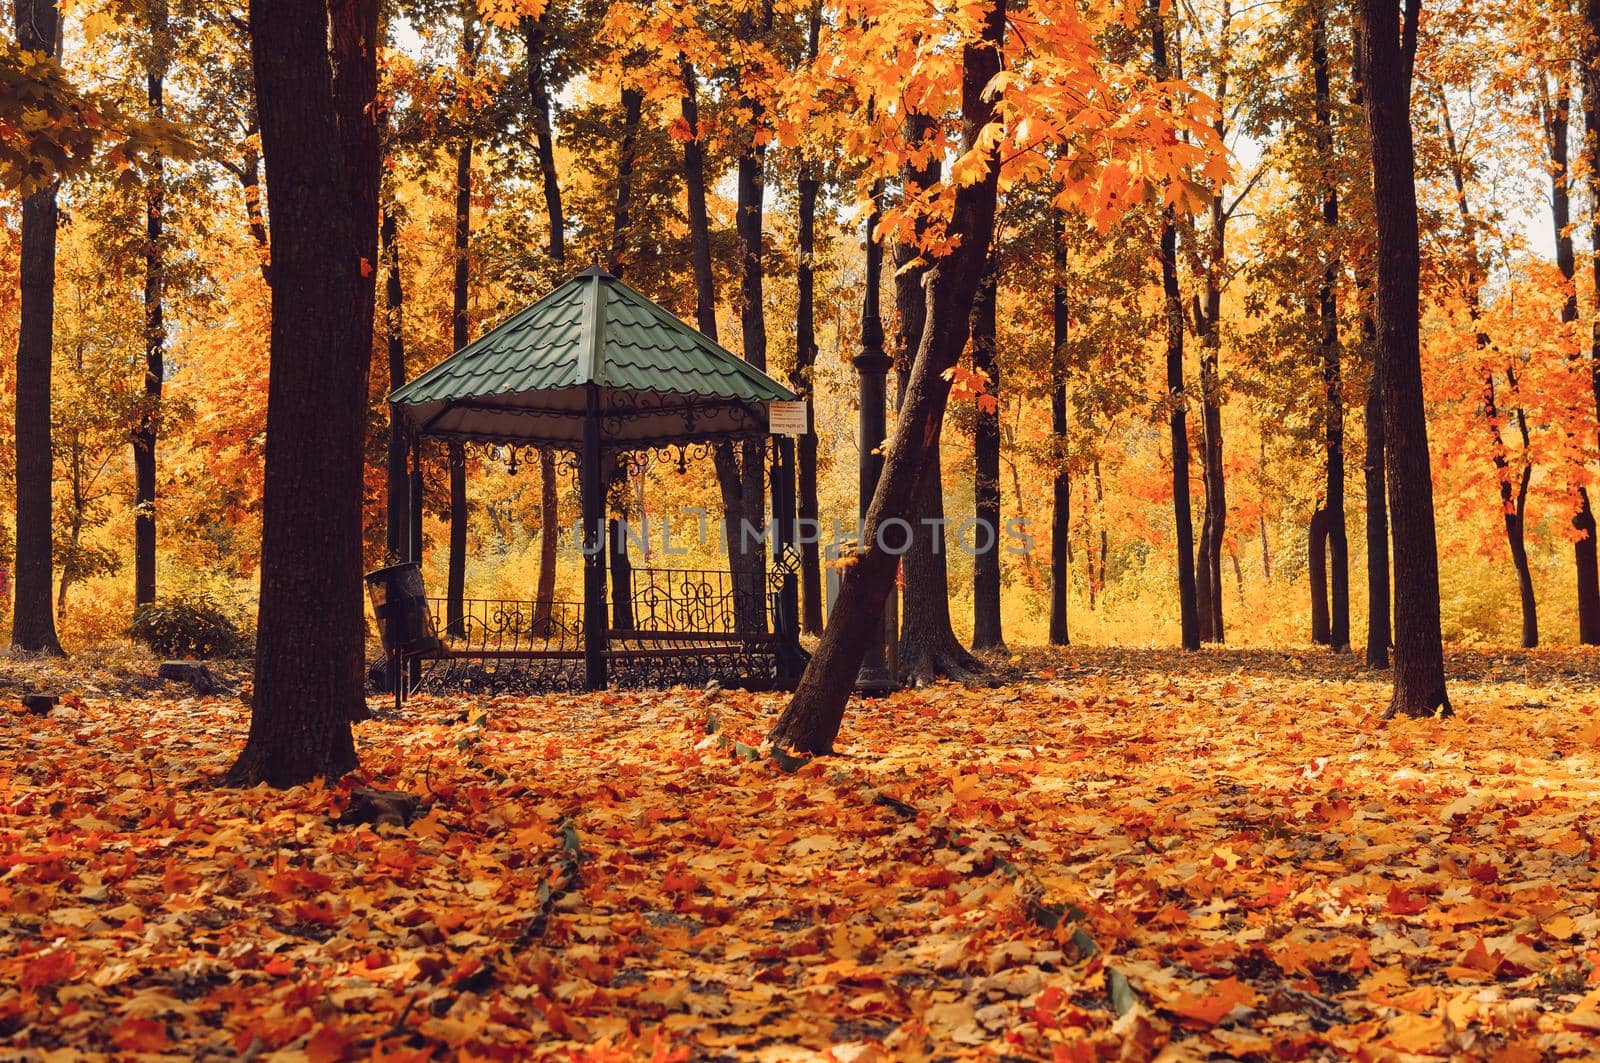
x=786 y=418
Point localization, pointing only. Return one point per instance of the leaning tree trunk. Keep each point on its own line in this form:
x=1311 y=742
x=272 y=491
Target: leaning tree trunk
x=1317 y=572
x=1061 y=482
x=1332 y=368
x=1177 y=416
x=539 y=94
x=811 y=721
x=1386 y=62
x=927 y=649
x=310 y=629
x=147 y=427
x=986 y=632
x=33 y=624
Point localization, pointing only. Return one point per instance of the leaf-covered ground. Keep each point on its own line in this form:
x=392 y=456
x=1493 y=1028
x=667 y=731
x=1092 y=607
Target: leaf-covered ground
x=1127 y=854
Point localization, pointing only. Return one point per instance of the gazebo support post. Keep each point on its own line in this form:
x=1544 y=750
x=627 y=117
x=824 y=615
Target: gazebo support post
x=414 y=543
x=592 y=486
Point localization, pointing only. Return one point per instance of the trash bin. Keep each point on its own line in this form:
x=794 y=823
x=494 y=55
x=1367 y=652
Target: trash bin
x=400 y=606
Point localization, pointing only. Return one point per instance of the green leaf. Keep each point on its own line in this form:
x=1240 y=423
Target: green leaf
x=1122 y=997
x=745 y=752
x=713 y=725
x=1084 y=943
x=569 y=840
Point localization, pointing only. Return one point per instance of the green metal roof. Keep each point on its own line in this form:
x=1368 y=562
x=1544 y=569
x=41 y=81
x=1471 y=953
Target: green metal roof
x=526 y=380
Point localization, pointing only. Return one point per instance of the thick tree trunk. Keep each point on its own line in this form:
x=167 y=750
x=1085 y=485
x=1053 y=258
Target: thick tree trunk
x=147 y=428
x=694 y=187
x=1061 y=482
x=751 y=191
x=805 y=358
x=1332 y=368
x=1317 y=572
x=986 y=630
x=811 y=721
x=310 y=632
x=33 y=625
x=928 y=649
x=805 y=362
x=1386 y=61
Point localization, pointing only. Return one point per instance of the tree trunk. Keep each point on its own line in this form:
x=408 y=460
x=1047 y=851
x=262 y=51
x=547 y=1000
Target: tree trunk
x=1332 y=368
x=1214 y=521
x=250 y=183
x=1317 y=570
x=986 y=630
x=533 y=34
x=310 y=631
x=928 y=649
x=811 y=721
x=1061 y=482
x=805 y=359
x=539 y=93
x=397 y=543
x=146 y=430
x=33 y=625
x=627 y=156
x=1177 y=417
x=1588 y=564
x=456 y=573
x=751 y=190
x=1513 y=502
x=1386 y=61
x=1378 y=632
x=1377 y=508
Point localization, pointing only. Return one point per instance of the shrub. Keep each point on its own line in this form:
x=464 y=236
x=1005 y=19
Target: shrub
x=188 y=627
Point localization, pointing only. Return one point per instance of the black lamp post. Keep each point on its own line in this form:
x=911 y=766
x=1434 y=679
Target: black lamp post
x=872 y=366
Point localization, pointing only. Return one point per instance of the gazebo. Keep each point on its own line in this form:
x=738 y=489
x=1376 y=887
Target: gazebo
x=596 y=372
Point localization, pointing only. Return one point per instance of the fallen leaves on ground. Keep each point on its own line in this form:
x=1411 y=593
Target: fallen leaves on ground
x=1127 y=854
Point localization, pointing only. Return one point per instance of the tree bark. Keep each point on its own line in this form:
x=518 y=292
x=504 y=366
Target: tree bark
x=533 y=35
x=1588 y=561
x=1317 y=570
x=986 y=628
x=1513 y=502
x=1061 y=482
x=146 y=429
x=805 y=358
x=1177 y=416
x=751 y=191
x=1332 y=367
x=627 y=156
x=1386 y=62
x=927 y=649
x=534 y=31
x=1378 y=630
x=33 y=625
x=811 y=721
x=397 y=544
x=456 y=572
x=1374 y=480
x=310 y=630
